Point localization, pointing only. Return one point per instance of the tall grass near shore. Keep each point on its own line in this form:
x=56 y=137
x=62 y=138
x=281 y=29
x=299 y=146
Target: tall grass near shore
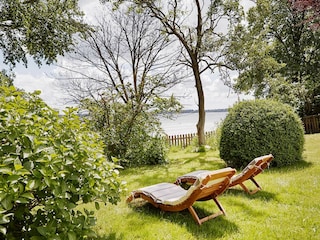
x=287 y=208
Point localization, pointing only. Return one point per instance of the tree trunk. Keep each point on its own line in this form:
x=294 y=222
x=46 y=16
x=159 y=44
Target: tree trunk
x=201 y=108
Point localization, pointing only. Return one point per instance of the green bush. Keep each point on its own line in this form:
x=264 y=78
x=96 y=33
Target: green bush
x=128 y=134
x=259 y=127
x=49 y=164
x=214 y=139
x=154 y=151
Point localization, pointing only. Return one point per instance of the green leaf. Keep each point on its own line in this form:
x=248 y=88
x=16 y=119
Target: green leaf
x=28 y=141
x=71 y=205
x=13 y=178
x=72 y=235
x=22 y=200
x=23 y=172
x=27 y=153
x=42 y=231
x=5 y=218
x=30 y=184
x=29 y=165
x=17 y=164
x=96 y=204
x=5 y=170
x=27 y=195
x=57 y=191
x=3 y=230
x=7 y=202
x=46 y=231
x=2 y=196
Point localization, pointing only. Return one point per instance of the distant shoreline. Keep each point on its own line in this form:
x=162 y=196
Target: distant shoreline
x=209 y=110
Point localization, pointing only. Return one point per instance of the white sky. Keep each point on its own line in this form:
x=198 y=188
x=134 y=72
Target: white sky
x=217 y=95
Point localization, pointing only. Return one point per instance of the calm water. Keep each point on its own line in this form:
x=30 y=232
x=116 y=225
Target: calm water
x=186 y=122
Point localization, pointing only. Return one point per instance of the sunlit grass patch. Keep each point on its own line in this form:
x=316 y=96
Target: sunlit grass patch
x=287 y=207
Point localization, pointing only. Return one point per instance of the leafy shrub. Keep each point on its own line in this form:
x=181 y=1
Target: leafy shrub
x=128 y=134
x=49 y=164
x=259 y=127
x=214 y=139
x=154 y=151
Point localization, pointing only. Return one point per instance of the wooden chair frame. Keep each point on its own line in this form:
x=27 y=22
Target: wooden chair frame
x=209 y=187
x=255 y=167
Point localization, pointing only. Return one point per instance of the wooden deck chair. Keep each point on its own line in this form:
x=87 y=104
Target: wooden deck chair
x=255 y=167
x=173 y=198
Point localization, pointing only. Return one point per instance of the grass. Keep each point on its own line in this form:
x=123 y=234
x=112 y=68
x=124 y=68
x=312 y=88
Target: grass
x=287 y=208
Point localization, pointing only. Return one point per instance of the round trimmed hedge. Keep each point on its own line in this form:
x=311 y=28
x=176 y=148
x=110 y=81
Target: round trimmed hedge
x=258 y=127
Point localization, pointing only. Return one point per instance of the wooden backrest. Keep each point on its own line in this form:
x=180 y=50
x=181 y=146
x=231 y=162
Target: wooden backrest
x=264 y=164
x=255 y=167
x=212 y=184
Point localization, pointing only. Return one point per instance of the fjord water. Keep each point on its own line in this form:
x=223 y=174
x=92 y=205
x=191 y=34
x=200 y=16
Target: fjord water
x=184 y=123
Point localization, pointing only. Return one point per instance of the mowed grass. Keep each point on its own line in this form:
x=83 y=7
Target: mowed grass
x=288 y=207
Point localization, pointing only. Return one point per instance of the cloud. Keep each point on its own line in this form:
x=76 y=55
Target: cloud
x=39 y=80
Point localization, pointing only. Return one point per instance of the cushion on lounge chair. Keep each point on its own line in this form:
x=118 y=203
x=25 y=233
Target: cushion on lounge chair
x=251 y=165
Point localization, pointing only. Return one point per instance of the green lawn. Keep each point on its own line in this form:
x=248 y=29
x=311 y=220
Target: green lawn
x=288 y=207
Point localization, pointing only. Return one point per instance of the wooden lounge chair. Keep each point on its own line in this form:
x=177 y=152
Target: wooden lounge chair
x=172 y=197
x=255 y=167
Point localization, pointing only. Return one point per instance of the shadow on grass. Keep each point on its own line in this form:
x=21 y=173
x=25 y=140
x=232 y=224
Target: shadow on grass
x=214 y=228
x=299 y=165
x=263 y=195
x=112 y=236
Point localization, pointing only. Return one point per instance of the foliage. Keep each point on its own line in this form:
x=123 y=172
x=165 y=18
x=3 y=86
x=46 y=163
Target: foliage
x=277 y=55
x=49 y=164
x=259 y=127
x=214 y=140
x=40 y=28
x=6 y=79
x=311 y=7
x=131 y=136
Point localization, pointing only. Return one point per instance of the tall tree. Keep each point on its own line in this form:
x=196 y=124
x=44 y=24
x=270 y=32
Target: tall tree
x=127 y=58
x=42 y=29
x=278 y=55
x=196 y=26
x=120 y=73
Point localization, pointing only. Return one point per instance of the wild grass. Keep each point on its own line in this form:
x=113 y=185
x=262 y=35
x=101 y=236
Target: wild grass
x=288 y=207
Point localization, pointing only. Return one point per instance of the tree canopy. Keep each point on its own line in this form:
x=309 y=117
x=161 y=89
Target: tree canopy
x=42 y=29
x=311 y=7
x=277 y=55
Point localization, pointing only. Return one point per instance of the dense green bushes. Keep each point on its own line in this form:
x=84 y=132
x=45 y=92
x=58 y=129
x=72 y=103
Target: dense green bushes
x=259 y=127
x=48 y=165
x=130 y=135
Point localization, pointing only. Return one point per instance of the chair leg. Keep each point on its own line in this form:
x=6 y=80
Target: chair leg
x=244 y=187
x=194 y=215
x=251 y=191
x=201 y=220
x=219 y=205
x=255 y=183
